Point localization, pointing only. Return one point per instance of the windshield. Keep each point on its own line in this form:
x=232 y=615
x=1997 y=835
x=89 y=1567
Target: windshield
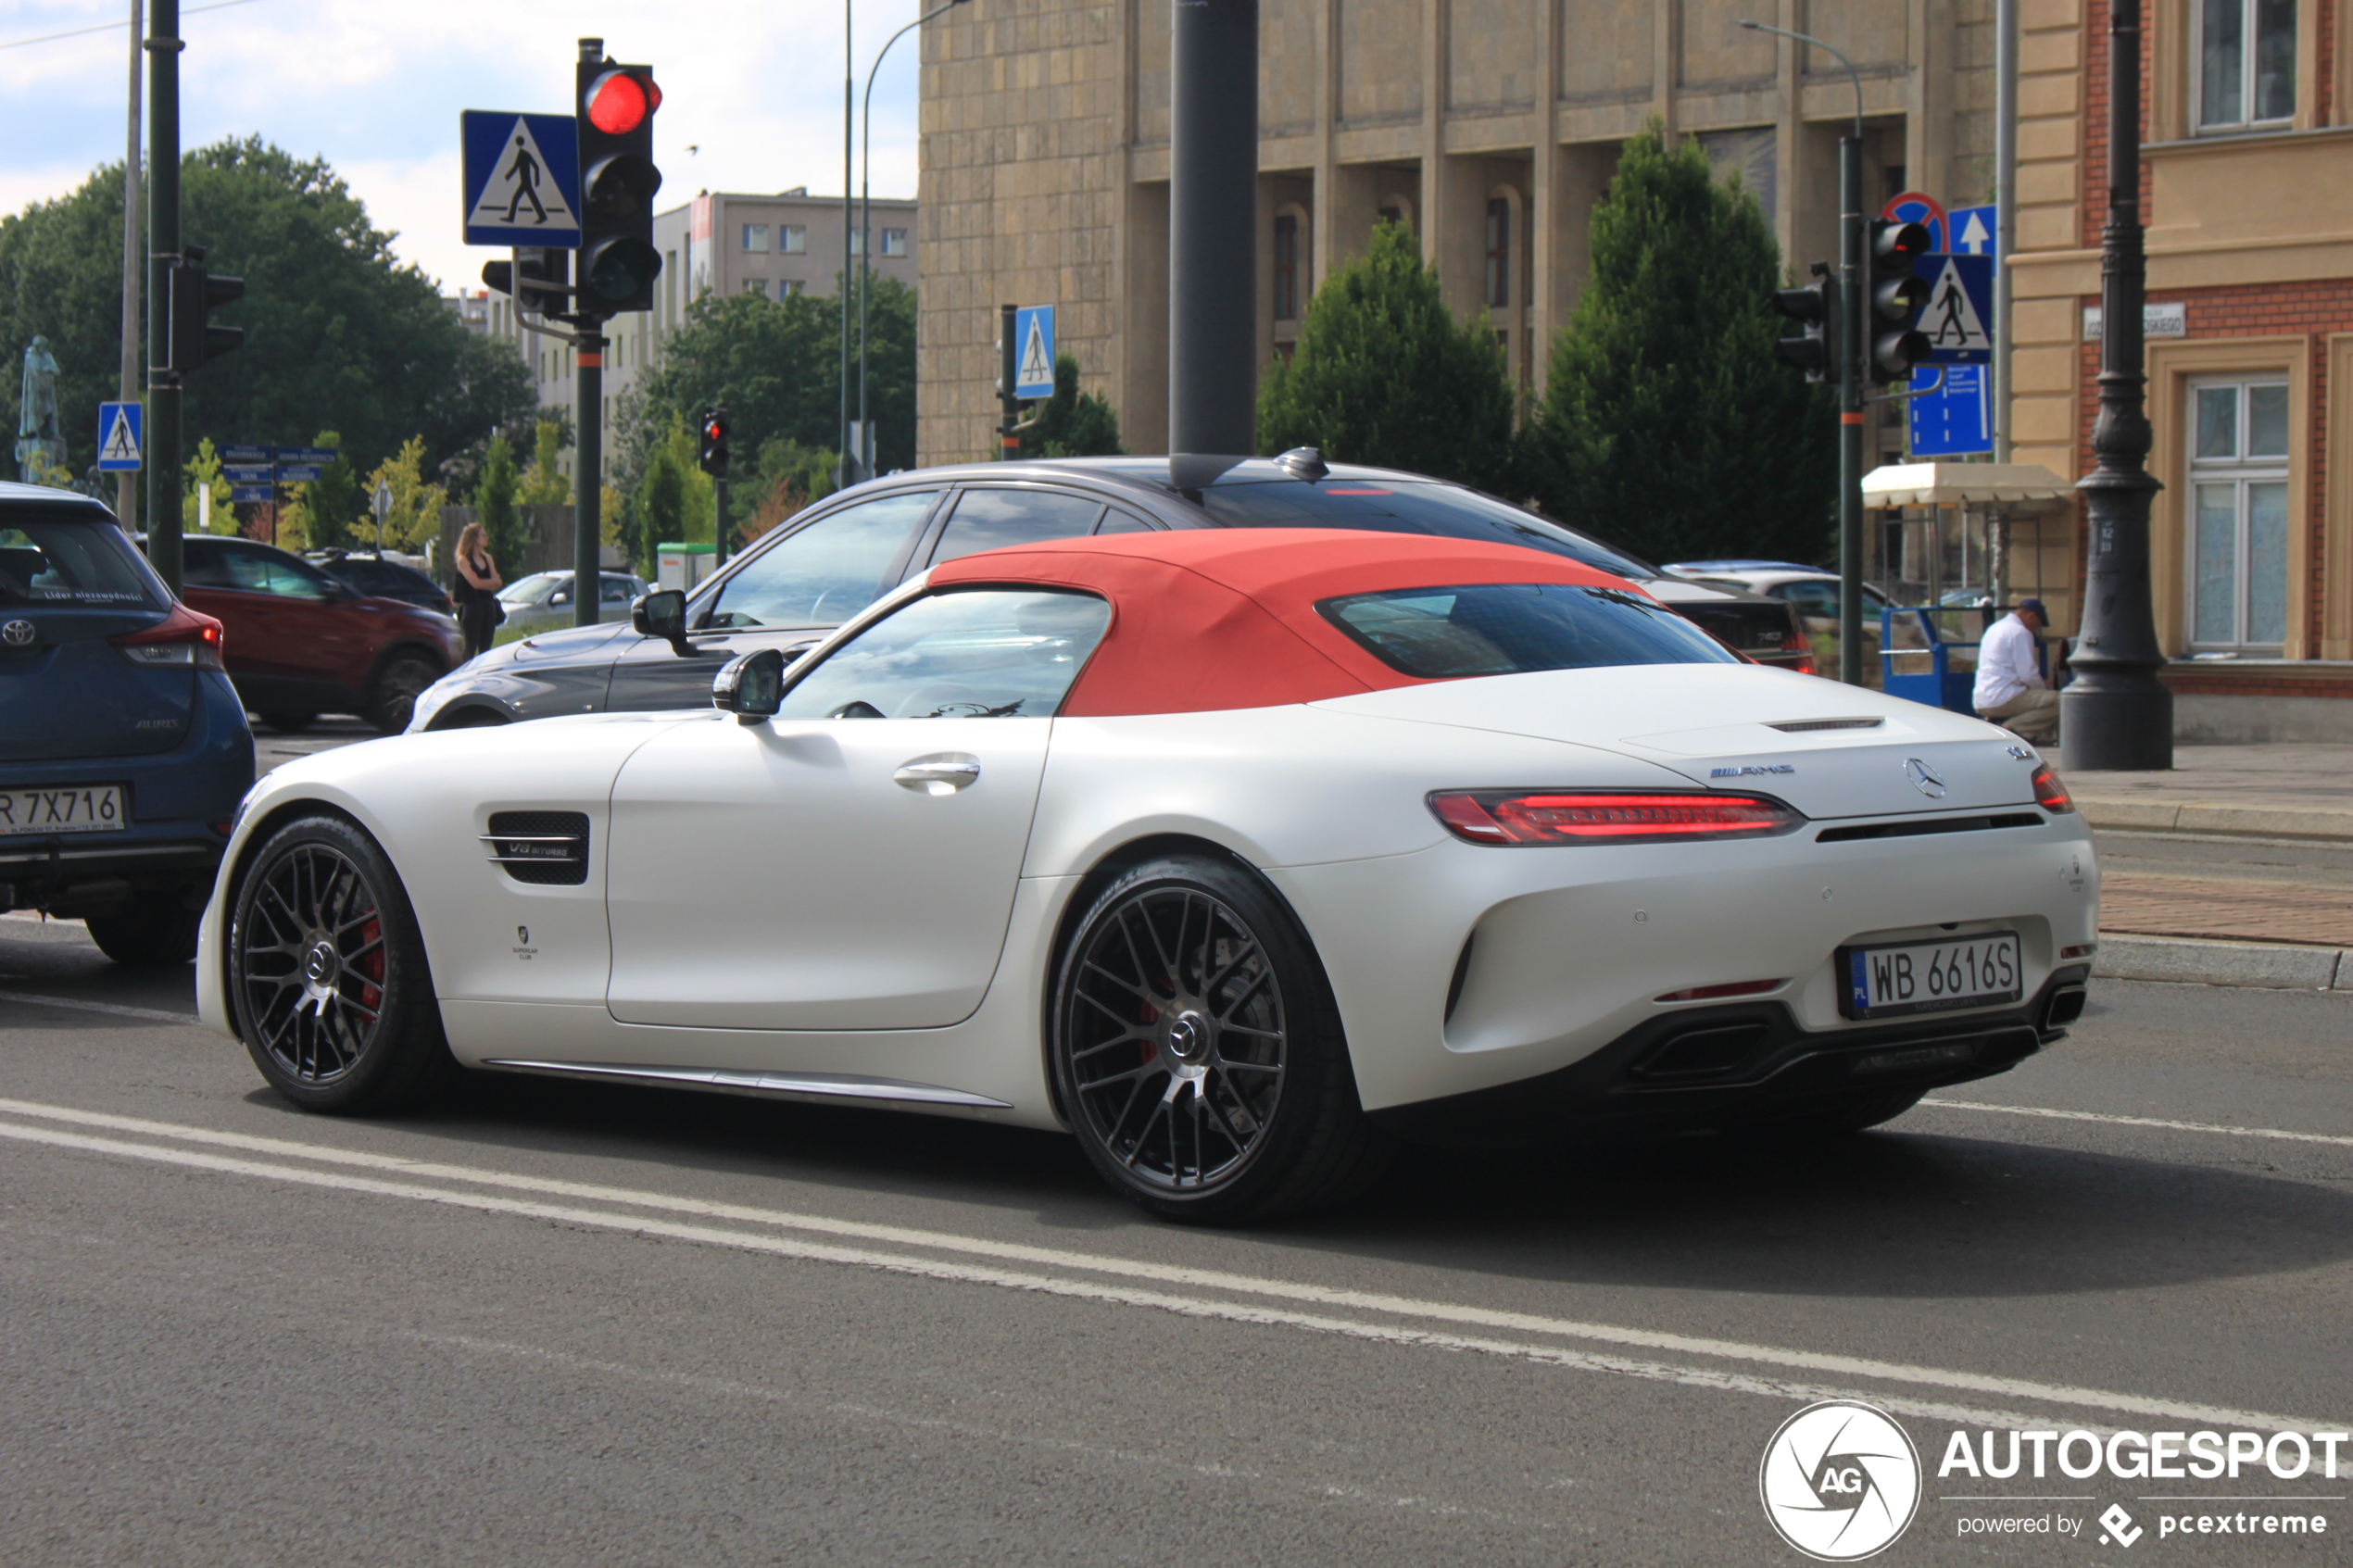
x=1398 y=505
x=73 y=559
x=530 y=589
x=1509 y=629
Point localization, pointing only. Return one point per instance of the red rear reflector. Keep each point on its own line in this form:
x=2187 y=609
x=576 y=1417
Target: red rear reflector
x=2049 y=794
x=2080 y=950
x=1736 y=988
x=183 y=638
x=1517 y=817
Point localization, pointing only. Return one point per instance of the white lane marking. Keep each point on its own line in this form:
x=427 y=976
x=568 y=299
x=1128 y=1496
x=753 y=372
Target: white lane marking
x=2136 y=1121
x=152 y=1015
x=1122 y=1295
x=1161 y=1273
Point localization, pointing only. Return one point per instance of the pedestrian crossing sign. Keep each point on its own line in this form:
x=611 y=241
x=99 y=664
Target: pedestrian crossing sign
x=1033 y=351
x=119 y=437
x=522 y=179
x=1958 y=318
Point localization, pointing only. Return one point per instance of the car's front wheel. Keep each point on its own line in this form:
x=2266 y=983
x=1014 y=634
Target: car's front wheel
x=1198 y=1054
x=158 y=932
x=328 y=976
x=398 y=684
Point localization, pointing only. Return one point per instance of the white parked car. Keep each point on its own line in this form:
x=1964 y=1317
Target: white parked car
x=542 y=602
x=1237 y=853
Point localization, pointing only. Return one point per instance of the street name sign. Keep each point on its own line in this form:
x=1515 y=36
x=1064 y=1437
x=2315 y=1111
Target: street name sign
x=244 y=474
x=1033 y=351
x=298 y=473
x=120 y=443
x=245 y=455
x=317 y=456
x=1950 y=422
x=522 y=177
x=242 y=495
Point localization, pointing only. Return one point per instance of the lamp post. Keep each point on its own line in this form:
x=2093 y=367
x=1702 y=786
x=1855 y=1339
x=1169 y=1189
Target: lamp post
x=845 y=469
x=866 y=230
x=2117 y=713
x=1853 y=347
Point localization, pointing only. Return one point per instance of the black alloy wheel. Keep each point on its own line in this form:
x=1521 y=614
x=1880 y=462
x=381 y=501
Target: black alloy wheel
x=328 y=980
x=398 y=684
x=1198 y=1054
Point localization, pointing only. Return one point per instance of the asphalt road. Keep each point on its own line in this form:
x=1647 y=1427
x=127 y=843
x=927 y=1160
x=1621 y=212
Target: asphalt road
x=567 y=1323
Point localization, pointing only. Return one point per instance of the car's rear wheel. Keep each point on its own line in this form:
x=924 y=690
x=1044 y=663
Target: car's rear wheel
x=473 y=718
x=160 y=933
x=1198 y=1054
x=328 y=977
x=398 y=684
x=289 y=721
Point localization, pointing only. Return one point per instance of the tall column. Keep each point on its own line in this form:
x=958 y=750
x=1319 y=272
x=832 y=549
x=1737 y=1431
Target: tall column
x=2118 y=714
x=163 y=247
x=126 y=487
x=1212 y=178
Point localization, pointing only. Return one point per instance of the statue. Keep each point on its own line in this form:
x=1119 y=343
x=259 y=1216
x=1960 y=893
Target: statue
x=40 y=449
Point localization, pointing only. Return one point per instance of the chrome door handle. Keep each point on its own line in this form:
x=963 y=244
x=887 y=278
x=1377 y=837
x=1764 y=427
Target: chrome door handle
x=936 y=778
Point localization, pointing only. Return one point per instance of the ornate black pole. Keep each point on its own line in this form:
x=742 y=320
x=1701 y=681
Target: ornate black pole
x=2118 y=714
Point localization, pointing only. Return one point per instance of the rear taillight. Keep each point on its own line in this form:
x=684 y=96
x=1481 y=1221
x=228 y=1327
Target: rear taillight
x=2049 y=794
x=1799 y=643
x=1519 y=816
x=183 y=639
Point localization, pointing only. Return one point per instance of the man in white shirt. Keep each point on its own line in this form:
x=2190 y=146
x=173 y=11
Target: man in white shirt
x=2010 y=689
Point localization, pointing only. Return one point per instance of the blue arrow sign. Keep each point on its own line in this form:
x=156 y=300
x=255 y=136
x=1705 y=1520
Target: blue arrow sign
x=1974 y=232
x=120 y=441
x=1033 y=351
x=1950 y=422
x=522 y=179
x=1958 y=318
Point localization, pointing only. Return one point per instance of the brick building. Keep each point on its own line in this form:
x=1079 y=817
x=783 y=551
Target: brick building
x=1491 y=126
x=2247 y=187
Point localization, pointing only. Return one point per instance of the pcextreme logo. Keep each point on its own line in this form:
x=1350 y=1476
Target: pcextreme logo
x=1840 y=1481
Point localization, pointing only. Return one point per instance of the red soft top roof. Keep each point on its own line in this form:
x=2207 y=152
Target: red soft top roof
x=1210 y=619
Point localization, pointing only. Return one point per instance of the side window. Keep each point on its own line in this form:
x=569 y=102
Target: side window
x=824 y=572
x=970 y=653
x=1117 y=521
x=989 y=520
x=616 y=592
x=246 y=569
x=202 y=568
x=291 y=579
x=1811 y=597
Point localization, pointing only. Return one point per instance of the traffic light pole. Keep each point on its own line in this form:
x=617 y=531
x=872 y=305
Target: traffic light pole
x=163 y=248
x=1008 y=406
x=2117 y=713
x=590 y=468
x=1854 y=347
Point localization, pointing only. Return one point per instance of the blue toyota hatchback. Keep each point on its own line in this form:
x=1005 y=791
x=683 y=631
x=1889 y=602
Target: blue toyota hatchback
x=123 y=748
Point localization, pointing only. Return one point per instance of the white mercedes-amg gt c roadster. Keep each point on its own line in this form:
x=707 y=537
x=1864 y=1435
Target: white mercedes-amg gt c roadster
x=1236 y=854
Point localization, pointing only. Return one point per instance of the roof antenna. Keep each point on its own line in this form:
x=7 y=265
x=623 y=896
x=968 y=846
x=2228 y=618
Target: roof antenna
x=1303 y=463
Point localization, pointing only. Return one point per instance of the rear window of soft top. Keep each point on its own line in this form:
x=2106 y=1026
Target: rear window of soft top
x=1514 y=628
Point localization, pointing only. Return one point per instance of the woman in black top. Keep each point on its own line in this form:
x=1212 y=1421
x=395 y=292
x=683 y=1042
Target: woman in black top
x=476 y=589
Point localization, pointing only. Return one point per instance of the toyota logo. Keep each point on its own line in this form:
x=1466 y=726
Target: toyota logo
x=1924 y=778
x=18 y=634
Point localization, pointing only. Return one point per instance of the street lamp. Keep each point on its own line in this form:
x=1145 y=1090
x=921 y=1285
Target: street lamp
x=866 y=231
x=1851 y=349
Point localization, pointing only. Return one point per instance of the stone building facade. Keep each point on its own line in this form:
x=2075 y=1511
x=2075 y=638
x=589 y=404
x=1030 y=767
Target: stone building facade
x=1491 y=126
x=2247 y=186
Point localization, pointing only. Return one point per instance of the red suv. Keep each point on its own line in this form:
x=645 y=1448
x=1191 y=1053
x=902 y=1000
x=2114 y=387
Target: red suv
x=299 y=643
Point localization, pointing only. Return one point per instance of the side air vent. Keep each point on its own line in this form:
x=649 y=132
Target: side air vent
x=1800 y=726
x=1934 y=824
x=548 y=847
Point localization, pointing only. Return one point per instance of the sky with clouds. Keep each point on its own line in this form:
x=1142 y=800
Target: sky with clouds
x=376 y=88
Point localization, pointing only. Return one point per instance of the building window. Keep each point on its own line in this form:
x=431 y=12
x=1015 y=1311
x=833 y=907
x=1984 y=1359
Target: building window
x=1499 y=253
x=1287 y=269
x=756 y=285
x=894 y=242
x=1393 y=211
x=2245 y=63
x=790 y=286
x=792 y=239
x=857 y=241
x=2238 y=514
x=756 y=238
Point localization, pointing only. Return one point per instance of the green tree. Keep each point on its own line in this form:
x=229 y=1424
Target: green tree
x=332 y=504
x=494 y=505
x=1383 y=373
x=415 y=516
x=335 y=323
x=545 y=483
x=1071 y=423
x=675 y=494
x=1668 y=426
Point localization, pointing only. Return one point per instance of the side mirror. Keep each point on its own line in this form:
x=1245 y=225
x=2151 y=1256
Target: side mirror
x=751 y=686
x=662 y=613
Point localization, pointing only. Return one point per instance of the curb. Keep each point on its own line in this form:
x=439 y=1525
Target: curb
x=2148 y=814
x=2222 y=963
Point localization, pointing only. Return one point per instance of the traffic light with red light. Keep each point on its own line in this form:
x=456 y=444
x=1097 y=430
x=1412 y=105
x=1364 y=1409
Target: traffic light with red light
x=713 y=456
x=618 y=181
x=1891 y=301
x=194 y=341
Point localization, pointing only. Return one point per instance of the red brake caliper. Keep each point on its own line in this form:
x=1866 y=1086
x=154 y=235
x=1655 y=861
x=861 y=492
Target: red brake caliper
x=374 y=964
